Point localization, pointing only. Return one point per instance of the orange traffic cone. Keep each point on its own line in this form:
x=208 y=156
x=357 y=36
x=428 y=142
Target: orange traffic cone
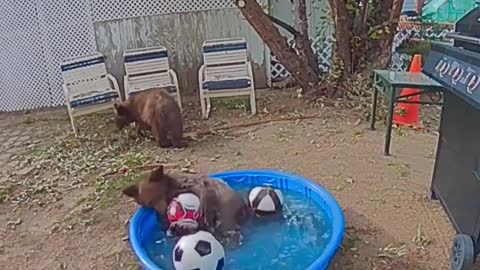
x=407 y=114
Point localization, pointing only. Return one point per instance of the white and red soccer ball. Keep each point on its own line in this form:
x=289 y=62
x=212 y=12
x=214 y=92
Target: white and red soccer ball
x=184 y=208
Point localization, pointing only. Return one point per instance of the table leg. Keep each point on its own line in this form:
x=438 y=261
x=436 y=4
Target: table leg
x=374 y=102
x=391 y=109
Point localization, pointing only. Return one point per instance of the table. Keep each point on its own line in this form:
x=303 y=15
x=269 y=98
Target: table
x=390 y=83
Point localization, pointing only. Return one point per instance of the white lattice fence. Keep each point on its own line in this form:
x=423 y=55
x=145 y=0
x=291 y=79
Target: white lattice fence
x=67 y=31
x=36 y=36
x=400 y=61
x=116 y=9
x=22 y=62
x=322 y=47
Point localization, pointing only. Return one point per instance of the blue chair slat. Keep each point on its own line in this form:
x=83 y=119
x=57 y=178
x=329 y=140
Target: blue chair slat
x=146 y=56
x=224 y=47
x=97 y=99
x=82 y=64
x=227 y=84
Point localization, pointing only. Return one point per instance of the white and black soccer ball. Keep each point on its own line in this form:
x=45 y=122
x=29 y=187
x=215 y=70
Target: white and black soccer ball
x=266 y=200
x=199 y=251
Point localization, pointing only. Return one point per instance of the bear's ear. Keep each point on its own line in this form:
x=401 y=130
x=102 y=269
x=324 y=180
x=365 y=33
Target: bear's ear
x=121 y=109
x=157 y=174
x=131 y=191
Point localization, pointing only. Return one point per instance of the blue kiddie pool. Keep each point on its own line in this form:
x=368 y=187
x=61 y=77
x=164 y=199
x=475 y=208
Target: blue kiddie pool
x=307 y=236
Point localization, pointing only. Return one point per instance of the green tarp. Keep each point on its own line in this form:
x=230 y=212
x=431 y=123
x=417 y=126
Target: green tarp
x=446 y=11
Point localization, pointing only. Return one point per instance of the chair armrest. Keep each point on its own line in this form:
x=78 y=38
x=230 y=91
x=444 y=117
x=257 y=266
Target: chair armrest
x=250 y=74
x=173 y=77
x=201 y=73
x=66 y=92
x=126 y=88
x=250 y=70
x=114 y=81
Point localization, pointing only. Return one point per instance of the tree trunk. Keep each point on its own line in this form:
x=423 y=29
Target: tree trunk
x=358 y=44
x=268 y=32
x=342 y=35
x=394 y=17
x=300 y=23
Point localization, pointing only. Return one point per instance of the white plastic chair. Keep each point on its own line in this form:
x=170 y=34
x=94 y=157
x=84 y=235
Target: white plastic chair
x=87 y=86
x=148 y=68
x=226 y=72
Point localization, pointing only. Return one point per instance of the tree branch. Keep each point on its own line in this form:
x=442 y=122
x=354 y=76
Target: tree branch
x=380 y=26
x=284 y=25
x=270 y=34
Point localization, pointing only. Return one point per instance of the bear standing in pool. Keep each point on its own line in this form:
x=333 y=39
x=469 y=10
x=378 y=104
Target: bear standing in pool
x=223 y=209
x=153 y=110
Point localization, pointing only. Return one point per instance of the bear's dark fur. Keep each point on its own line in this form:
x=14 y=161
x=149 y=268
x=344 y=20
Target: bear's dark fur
x=224 y=210
x=153 y=110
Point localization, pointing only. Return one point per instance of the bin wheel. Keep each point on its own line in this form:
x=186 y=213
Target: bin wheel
x=462 y=253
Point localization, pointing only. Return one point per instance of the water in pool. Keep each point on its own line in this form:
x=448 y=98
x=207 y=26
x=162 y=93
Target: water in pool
x=292 y=242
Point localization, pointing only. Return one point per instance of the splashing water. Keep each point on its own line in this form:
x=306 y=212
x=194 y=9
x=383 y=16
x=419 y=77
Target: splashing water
x=291 y=242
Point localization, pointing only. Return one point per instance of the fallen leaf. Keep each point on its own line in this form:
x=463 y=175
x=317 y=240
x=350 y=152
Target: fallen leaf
x=16 y=222
x=25 y=171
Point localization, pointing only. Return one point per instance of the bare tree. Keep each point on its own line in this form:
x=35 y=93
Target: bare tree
x=263 y=25
x=364 y=32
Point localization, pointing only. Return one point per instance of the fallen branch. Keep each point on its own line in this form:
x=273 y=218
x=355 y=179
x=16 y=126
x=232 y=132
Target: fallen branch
x=243 y=125
x=152 y=166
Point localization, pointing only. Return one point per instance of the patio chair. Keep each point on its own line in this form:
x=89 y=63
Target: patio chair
x=226 y=72
x=148 y=68
x=87 y=86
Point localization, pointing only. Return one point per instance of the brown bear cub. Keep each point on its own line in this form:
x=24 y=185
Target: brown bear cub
x=224 y=210
x=153 y=110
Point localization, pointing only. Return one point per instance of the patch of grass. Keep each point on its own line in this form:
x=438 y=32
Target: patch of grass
x=5 y=191
x=232 y=103
x=349 y=242
x=29 y=120
x=107 y=191
x=134 y=159
x=99 y=150
x=402 y=169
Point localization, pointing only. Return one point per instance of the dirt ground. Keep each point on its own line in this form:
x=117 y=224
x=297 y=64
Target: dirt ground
x=62 y=207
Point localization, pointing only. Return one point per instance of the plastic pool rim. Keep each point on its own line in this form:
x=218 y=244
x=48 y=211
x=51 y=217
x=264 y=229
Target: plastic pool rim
x=336 y=213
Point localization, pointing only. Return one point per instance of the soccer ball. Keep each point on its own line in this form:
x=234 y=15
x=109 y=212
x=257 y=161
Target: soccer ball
x=265 y=200
x=185 y=207
x=199 y=251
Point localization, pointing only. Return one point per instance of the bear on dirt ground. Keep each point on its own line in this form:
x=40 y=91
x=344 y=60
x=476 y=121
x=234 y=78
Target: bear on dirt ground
x=153 y=110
